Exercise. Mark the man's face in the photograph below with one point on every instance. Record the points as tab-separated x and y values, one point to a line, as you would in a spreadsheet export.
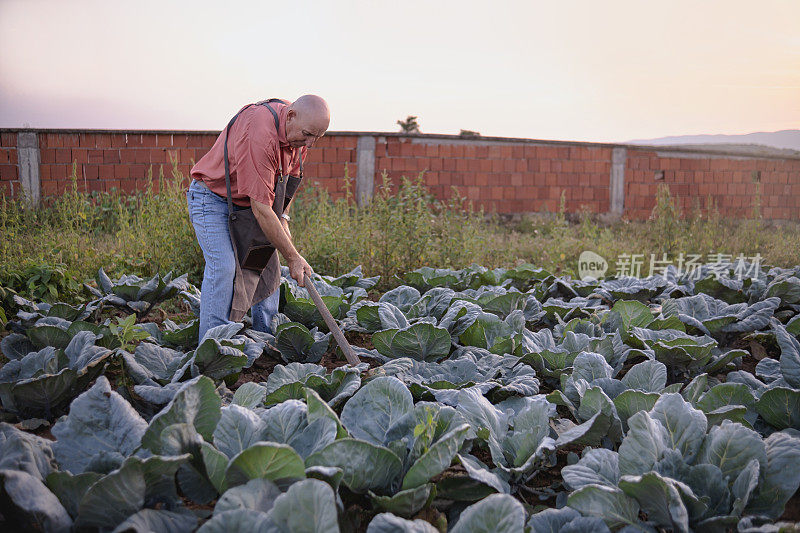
300	131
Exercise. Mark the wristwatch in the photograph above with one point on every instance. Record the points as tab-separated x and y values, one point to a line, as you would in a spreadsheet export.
287	217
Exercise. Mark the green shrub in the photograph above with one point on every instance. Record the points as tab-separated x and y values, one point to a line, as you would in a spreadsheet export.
403	228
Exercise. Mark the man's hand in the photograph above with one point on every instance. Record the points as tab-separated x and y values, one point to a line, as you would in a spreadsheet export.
298	267
279	236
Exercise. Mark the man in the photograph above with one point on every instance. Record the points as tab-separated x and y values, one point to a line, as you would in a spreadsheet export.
257	150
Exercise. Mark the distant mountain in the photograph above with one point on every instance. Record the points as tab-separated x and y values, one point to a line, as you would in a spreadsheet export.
784	140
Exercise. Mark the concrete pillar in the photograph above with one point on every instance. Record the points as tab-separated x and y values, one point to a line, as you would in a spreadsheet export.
617	181
365	177
28	163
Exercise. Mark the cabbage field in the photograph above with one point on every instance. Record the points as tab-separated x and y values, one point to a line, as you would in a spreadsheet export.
503	401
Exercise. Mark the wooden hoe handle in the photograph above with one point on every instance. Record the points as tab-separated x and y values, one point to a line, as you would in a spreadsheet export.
351	357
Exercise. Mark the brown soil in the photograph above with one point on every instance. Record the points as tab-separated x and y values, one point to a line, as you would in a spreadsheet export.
749	364
792	511
331	359
261	369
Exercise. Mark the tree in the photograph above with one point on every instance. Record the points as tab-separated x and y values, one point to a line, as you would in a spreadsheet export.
409	125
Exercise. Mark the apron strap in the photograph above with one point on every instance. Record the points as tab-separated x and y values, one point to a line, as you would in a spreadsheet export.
225	149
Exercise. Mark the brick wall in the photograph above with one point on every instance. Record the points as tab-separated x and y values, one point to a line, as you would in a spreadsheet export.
106	161
502	175
731	182
9	171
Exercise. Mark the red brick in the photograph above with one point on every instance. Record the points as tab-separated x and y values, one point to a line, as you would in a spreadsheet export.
103	140
158	155
324	170
47	155
95	156
87	140
163	140
8	139
137	171
343	155
127	156
49	188
63	155
185	155
80	155
9	172
58	172
122	171
54	140
148	140
119	140
209	140
91	172
194	141
105	171
329	155
111	156
180	140
337	170
70	139
128	185
171	155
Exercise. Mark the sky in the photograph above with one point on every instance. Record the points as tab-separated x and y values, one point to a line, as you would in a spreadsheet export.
602	71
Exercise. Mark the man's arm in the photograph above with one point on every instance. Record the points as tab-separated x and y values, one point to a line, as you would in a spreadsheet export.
274	231
284	222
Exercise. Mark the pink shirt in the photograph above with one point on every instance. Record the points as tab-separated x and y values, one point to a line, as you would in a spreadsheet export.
254	147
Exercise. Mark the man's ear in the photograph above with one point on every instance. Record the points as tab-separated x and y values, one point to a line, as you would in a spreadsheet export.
291	114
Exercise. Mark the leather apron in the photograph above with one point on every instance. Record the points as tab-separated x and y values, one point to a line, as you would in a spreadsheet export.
258	272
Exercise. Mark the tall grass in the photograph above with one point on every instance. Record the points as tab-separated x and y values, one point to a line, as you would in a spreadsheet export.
401	229
78	232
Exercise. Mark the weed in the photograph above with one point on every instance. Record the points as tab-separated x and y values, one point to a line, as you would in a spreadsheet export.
402	228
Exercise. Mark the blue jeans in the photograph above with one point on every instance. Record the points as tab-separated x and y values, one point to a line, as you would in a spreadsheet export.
209	215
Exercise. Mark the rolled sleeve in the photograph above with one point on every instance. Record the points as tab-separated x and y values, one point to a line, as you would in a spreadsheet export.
256	161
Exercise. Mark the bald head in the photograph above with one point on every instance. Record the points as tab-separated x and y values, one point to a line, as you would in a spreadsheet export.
307	120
